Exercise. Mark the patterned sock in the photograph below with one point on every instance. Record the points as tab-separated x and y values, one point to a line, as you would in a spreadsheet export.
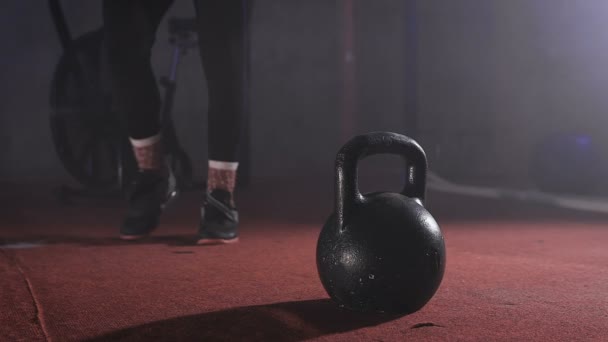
222	175
149	153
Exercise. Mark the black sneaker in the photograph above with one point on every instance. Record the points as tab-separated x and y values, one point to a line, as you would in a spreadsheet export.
219	219
148	195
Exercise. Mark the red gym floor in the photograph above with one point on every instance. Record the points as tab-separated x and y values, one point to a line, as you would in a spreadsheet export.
515	272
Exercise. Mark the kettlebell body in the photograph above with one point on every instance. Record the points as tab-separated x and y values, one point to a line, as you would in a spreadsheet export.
381	252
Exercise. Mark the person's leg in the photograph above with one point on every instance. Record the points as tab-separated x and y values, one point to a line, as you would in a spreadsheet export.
223	35
222	39
130	28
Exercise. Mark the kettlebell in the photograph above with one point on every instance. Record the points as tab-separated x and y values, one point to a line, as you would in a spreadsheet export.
382	251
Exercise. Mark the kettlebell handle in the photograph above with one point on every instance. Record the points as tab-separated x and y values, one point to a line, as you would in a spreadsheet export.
348	195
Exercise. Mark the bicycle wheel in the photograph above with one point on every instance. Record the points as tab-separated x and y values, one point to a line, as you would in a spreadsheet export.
86	133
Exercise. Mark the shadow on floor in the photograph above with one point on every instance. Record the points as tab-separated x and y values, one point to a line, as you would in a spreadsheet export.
280	322
40	241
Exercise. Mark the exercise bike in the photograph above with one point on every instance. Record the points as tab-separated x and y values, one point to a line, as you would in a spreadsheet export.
89	137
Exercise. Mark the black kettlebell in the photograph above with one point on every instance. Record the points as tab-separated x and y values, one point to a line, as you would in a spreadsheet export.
381	252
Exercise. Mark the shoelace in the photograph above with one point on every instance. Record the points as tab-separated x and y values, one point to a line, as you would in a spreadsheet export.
227	212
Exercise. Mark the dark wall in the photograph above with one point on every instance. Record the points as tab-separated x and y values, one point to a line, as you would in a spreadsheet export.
491	77
496	76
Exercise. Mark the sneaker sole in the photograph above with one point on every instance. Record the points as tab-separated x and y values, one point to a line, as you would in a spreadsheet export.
217	241
133	237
